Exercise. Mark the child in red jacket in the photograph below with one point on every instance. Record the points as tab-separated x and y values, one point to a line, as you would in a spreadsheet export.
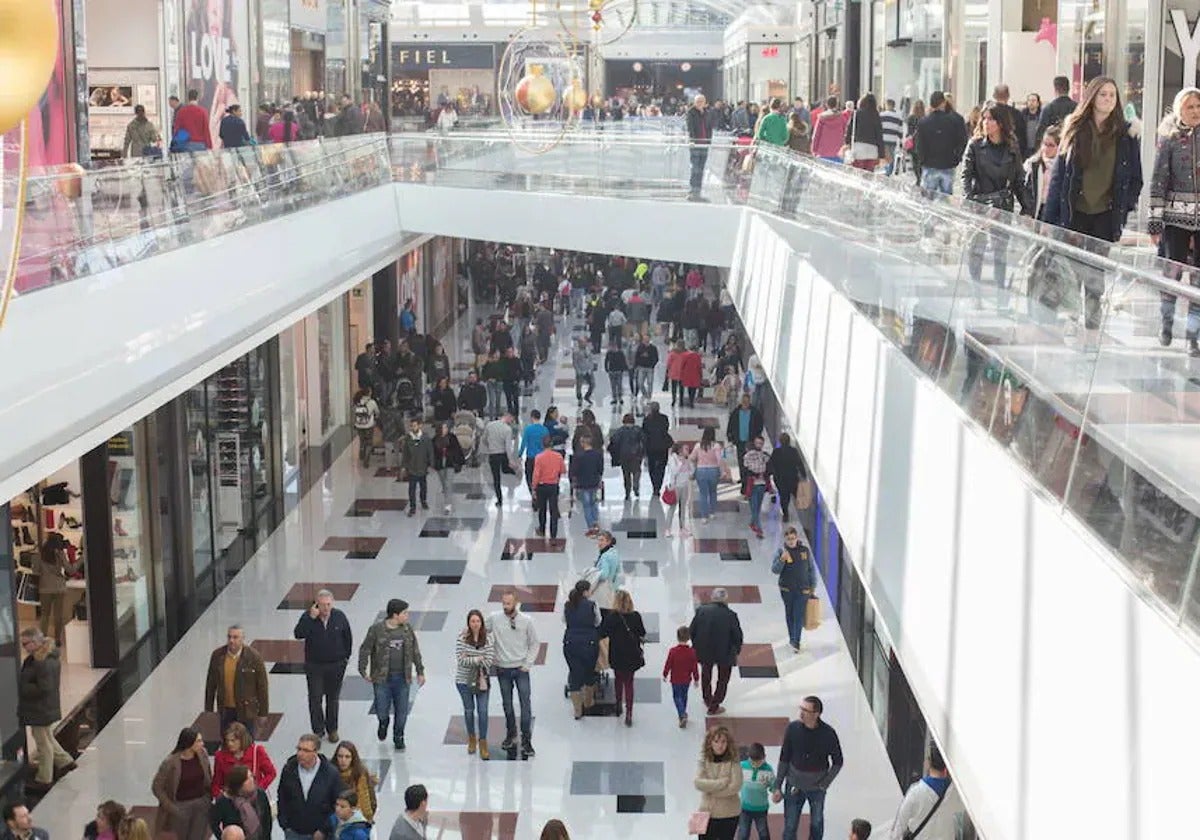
680	669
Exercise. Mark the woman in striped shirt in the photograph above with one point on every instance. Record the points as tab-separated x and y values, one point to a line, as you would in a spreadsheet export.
474	655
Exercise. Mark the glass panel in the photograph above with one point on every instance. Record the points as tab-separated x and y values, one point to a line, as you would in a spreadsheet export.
331	340
132	557
9	660
259	433
202	480
230	406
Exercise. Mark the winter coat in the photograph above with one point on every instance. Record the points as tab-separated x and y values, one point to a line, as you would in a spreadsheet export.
1066	183
251	690
166	784
786	466
865	127
720	786
614	361
992	174
374	656
645	356
625	633
732	427
716	634
472	396
794	575
582	361
447	453
675	365
444	404
592	431
416	454
306	815
627	446
656	431
691	370
940	139
355	828
828	134
225	812
255	759
1037	171
1174	186
38	703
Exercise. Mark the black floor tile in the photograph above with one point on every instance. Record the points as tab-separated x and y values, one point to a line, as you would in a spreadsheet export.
449	579
629	804
433	532
361	555
735	557
758	671
643	535
287	668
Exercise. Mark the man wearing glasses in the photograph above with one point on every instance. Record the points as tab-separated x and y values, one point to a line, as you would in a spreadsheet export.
809	761
516	649
308	789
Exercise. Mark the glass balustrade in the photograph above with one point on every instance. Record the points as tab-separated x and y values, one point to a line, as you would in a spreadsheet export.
1046	339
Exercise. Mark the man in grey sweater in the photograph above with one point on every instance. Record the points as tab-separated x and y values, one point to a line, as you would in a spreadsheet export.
516	644
497	441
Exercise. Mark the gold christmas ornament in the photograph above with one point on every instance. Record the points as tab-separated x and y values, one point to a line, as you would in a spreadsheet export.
576	97
28	49
535	93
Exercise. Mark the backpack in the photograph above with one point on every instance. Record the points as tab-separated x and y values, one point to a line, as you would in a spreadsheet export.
362	416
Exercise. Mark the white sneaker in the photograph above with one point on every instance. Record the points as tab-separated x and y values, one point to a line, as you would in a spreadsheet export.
667	533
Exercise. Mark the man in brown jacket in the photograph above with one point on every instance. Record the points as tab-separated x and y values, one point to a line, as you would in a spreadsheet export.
237	682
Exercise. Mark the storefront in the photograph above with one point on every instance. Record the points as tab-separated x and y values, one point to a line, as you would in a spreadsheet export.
426	77
759	72
308	25
374	59
670	81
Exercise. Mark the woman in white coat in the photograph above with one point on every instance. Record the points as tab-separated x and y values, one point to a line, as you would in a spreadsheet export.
678	479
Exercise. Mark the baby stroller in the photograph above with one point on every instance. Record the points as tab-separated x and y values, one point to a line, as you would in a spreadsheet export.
467	427
407	397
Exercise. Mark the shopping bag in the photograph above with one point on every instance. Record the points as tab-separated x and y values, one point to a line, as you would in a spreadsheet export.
698	822
602	655
804	495
812	614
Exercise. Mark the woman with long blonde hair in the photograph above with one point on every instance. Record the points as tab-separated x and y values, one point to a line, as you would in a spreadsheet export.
719	780
1097	177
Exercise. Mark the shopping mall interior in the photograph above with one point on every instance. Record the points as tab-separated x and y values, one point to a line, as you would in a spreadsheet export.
222	220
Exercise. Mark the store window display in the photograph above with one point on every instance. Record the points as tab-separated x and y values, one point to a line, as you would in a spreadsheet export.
132	554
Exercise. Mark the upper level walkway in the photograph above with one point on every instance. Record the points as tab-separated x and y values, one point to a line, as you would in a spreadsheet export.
959	380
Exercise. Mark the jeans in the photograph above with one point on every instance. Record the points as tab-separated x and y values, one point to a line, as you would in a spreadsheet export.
582	379
793	804
714	695
616	383
547	502
417	485
366	439
475	704
495	394
757	819
979	243
699	156
632	473
529	463
512	395
756	501
706	482
508	677
645	382
679	693
391	699
794	606
591	508
324	691
938	180
496	464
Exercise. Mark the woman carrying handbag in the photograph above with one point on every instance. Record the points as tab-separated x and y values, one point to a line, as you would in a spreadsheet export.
719	780
474	655
864	146
625	631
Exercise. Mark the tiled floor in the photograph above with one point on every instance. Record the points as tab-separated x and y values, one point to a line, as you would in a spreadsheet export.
603	779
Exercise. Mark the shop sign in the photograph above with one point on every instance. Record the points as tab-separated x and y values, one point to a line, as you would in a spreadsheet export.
443	56
309	15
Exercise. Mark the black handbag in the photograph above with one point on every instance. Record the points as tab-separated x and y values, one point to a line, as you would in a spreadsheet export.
1000	199
640	643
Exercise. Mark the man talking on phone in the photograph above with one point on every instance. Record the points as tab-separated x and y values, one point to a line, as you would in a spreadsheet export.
327	647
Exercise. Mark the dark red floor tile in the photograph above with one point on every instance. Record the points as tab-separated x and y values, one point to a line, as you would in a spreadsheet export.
737	594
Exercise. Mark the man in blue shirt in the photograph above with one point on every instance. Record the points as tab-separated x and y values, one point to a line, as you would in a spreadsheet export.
531	444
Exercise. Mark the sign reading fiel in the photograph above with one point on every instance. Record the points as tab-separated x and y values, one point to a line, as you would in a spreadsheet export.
443	56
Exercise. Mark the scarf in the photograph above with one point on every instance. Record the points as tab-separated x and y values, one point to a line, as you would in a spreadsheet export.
246	806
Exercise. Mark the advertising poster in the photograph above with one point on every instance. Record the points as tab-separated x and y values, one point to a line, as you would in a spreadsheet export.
212	64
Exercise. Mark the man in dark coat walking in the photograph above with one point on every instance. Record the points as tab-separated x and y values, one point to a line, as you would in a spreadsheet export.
39	708
717	640
328	645
745	424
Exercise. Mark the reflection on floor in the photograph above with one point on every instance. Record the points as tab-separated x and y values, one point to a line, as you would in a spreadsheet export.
350	534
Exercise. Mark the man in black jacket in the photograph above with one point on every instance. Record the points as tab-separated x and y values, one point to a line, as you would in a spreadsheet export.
809	760
656	430
472	396
745	424
700	131
1058	110
786	468
939	143
645	360
717	639
510	378
328	643
39	708
306	816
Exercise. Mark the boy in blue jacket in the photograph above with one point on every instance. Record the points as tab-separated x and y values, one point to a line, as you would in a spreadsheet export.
347	821
757	778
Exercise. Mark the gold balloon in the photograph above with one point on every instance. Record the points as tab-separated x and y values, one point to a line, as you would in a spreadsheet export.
28	49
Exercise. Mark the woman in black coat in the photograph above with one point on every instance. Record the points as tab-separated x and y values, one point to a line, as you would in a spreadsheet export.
786	468
993	174
447	458
864	135
443	401
625	631
243	804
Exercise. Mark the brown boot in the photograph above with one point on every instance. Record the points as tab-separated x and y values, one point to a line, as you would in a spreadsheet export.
471	742
483	750
577	703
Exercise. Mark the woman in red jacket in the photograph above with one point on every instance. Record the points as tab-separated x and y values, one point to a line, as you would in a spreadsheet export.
239	748
691	373
675	371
